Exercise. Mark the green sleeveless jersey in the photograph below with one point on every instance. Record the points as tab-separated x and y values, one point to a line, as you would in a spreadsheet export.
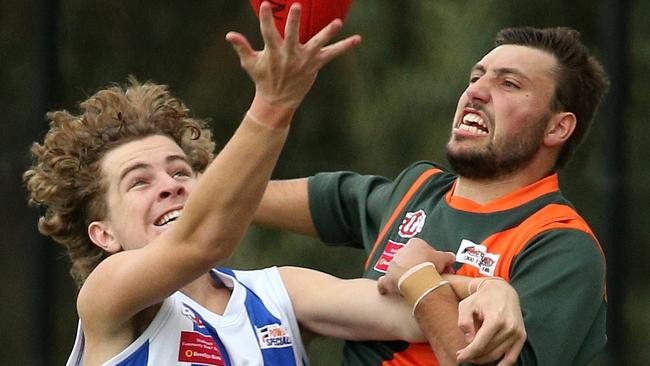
533	238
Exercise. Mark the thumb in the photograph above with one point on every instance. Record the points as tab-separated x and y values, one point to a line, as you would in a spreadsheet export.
451	256
241	45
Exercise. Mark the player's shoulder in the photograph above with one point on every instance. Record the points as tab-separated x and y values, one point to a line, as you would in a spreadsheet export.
423	171
256	278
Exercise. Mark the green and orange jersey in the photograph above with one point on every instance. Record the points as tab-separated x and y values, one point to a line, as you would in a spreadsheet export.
533	238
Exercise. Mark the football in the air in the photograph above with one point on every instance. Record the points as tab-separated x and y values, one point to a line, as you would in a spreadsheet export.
315	14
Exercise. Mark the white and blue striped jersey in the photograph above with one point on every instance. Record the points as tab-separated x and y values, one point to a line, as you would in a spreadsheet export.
258	327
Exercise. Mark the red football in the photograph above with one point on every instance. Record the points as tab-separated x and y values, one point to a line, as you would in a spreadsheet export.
315	14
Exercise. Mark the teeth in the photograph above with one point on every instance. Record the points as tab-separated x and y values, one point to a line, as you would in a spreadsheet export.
472	129
166	218
473	123
474	118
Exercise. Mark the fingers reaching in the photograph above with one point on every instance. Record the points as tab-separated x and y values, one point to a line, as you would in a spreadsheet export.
335	49
269	33
292	27
325	35
284	70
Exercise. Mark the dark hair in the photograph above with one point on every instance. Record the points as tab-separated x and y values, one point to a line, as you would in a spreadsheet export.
66	179
581	80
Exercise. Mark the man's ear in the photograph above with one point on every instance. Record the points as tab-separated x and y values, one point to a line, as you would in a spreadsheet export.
100	234
559	128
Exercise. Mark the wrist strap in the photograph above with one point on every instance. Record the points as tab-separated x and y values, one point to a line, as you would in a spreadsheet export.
419	281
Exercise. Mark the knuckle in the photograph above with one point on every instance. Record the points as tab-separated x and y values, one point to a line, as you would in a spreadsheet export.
464	305
464	324
522	334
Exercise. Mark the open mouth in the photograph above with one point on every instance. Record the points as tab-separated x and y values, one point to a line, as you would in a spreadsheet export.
167	218
473	123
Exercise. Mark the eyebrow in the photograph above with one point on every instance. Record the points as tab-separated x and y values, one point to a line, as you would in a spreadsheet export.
502	71
169	159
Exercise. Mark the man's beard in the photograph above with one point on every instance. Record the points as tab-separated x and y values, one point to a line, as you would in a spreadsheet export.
499	159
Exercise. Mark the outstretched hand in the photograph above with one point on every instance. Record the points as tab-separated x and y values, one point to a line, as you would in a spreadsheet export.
285	69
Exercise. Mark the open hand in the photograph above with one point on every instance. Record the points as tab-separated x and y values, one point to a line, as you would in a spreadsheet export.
285	69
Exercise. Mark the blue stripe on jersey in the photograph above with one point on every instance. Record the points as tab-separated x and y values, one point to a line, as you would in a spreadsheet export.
208	330
279	349
138	358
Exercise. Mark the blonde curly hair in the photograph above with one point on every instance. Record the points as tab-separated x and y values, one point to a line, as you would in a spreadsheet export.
65	178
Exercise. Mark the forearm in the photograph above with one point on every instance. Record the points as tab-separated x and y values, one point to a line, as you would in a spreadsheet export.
232	186
285	206
437	316
348	309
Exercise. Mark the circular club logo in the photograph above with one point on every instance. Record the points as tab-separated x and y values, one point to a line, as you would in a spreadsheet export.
412	224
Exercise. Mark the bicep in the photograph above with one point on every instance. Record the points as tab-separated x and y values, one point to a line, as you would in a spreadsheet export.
347	309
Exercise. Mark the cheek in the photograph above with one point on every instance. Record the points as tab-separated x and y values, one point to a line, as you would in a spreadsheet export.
463	100
189	186
130	209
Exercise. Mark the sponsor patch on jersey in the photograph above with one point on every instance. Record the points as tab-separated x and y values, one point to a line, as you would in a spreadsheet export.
387	256
273	336
412	224
476	255
198	348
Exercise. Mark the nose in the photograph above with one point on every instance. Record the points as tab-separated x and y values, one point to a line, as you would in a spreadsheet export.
170	187
479	90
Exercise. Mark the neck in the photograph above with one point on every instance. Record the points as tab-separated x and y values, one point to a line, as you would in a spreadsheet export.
488	190
206	292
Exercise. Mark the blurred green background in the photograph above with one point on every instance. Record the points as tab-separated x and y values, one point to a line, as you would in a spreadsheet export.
388	103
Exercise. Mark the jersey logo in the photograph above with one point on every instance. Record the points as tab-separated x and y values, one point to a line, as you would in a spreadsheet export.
190	314
476	255
412	224
199	349
387	256
273	336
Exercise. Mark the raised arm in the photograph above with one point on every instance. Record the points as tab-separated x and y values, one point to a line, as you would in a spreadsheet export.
221	206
